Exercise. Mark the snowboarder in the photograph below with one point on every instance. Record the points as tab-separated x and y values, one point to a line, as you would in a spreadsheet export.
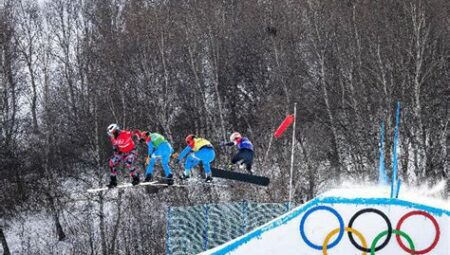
199	150
158	148
244	156
124	151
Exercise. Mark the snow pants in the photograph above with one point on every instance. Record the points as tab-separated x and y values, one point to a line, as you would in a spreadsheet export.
205	155
244	156
163	153
127	158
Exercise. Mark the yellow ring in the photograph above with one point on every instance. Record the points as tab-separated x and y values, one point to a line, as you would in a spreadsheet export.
335	231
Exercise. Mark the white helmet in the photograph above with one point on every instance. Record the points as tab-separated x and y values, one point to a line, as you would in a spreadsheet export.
111	128
235	136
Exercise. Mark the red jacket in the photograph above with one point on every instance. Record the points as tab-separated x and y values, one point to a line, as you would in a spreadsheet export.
124	141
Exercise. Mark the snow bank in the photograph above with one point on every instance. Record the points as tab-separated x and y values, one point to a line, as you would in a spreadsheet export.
424	194
417	219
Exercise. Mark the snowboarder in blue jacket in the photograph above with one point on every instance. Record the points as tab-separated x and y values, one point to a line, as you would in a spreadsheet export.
158	149
245	153
199	150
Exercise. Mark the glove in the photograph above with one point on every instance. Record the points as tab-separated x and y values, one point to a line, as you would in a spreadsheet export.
226	144
147	160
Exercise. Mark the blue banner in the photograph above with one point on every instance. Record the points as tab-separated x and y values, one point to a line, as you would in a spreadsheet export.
394	181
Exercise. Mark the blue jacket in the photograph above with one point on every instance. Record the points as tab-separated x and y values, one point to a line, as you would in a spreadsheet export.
245	143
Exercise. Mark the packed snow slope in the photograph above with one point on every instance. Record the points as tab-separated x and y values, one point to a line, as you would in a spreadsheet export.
353	221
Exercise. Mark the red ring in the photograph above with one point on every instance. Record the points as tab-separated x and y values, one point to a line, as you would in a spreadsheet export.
436	226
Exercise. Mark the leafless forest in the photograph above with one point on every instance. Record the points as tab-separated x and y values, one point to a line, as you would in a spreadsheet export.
69	68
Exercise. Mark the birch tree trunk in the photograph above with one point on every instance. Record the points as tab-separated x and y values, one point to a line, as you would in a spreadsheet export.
102	224
28	38
194	54
278	74
115	231
335	159
216	87
320	45
420	36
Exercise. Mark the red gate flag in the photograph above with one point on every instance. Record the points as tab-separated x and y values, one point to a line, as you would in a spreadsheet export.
284	125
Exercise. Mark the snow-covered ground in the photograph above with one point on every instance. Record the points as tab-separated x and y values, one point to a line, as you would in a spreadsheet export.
319	226
424	194
34	233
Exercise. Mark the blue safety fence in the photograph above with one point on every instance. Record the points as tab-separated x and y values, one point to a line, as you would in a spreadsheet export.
194	229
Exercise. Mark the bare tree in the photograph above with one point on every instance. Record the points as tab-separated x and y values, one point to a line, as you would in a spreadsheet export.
29	39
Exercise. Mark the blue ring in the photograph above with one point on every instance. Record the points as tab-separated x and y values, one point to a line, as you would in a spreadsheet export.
341	227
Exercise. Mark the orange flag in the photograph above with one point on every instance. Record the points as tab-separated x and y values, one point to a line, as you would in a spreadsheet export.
284	125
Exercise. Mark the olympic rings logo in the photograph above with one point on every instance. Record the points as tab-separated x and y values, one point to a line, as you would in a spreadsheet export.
373	245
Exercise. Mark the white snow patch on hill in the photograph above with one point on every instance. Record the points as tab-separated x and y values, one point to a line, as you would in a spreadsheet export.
312	226
424	194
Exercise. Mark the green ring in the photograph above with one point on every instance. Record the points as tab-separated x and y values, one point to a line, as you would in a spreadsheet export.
395	231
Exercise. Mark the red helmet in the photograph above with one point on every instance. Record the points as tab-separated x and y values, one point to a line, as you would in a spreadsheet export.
189	138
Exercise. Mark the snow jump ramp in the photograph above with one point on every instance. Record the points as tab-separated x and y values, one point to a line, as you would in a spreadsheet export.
345	226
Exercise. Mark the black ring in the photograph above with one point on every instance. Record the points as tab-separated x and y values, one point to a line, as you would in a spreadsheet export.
373	210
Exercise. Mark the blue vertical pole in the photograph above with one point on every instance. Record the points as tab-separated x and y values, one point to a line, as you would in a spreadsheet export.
244	216
398	188
382	177
394	180
169	218
205	234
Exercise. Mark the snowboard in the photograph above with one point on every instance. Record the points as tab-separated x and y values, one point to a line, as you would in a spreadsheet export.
129	185
249	178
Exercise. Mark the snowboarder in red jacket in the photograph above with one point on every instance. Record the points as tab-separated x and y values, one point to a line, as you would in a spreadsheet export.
124	151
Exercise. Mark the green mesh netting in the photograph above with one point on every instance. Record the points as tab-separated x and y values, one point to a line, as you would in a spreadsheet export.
193	229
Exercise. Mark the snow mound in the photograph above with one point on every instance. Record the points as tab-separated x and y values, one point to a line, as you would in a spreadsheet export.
355	220
424	194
